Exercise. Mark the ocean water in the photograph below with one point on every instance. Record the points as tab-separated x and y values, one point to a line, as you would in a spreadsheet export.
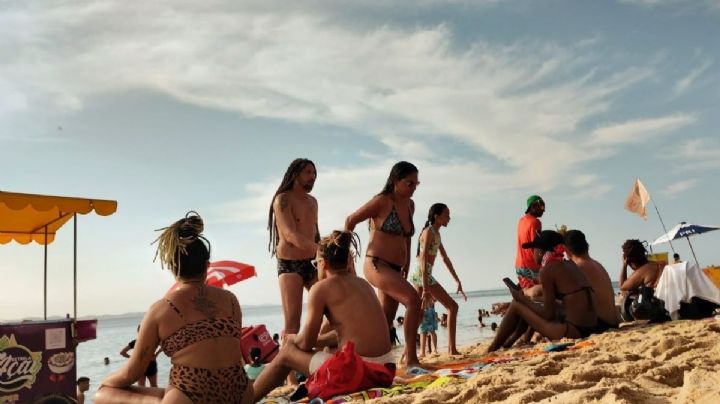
115	332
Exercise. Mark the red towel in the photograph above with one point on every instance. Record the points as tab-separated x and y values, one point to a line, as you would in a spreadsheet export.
345	372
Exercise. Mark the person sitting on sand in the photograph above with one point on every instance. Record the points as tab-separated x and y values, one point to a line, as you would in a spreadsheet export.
577	250
645	273
198	327
561	280
429	246
350	304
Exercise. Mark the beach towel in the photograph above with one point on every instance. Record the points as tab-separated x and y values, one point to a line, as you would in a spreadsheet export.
682	281
346	372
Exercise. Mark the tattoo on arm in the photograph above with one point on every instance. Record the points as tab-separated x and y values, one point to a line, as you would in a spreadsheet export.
283	202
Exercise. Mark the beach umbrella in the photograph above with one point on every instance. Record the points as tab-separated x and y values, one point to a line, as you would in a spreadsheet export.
226	273
685	230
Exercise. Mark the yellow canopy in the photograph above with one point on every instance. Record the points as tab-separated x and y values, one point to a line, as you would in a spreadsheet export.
23	217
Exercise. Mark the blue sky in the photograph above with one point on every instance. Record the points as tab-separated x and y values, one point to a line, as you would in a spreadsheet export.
167	107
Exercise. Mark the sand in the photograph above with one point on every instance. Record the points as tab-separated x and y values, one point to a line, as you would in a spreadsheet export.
675	362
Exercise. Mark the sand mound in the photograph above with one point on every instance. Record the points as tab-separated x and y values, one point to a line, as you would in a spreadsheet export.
667	363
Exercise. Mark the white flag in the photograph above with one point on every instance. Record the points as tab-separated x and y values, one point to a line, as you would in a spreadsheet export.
638	199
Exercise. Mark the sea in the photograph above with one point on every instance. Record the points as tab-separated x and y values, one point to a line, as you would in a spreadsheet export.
115	332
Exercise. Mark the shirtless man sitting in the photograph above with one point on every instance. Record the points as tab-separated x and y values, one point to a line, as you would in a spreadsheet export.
292	223
350	304
576	248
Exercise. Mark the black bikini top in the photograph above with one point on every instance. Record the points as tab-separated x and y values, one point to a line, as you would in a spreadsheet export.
393	225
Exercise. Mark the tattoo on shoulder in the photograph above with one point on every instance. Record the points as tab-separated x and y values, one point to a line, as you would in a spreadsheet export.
203	304
283	201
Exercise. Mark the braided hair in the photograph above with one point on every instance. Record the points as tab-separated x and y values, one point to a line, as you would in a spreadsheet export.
292	172
182	248
634	251
338	247
436	209
399	171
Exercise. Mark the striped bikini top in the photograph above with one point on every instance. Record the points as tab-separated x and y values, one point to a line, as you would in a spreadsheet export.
191	333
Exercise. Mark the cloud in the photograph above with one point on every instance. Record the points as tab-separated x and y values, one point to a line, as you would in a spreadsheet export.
700	154
410	88
679	187
639	130
683	84
709	4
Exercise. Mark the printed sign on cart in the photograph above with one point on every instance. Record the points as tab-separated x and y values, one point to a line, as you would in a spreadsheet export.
19	366
36	361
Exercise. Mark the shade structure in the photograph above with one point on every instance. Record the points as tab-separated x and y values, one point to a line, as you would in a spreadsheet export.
23	217
685	230
30	217
228	273
225	273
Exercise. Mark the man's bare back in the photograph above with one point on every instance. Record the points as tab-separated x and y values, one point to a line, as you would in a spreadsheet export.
354	312
604	295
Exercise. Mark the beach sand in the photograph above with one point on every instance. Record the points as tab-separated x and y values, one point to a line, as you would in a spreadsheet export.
675	362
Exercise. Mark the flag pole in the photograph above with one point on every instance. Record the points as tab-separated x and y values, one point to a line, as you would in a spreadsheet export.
663	225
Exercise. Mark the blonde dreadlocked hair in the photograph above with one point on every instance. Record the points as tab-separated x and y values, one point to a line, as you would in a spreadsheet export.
182	248
338	247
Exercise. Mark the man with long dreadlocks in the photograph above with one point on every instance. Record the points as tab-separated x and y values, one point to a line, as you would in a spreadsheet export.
292	223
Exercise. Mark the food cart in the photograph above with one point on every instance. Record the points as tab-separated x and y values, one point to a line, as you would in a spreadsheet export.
37	358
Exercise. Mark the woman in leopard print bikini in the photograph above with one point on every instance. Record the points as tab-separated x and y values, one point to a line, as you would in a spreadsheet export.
196	325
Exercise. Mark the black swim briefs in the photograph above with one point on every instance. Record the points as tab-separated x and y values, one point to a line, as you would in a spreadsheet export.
303	268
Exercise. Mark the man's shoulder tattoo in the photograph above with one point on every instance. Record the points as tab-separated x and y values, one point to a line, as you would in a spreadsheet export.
283	201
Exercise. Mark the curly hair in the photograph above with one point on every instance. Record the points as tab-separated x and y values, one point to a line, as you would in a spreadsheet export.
182	248
634	252
337	248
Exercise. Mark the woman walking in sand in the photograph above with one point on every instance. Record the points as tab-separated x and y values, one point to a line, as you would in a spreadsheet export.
388	254
428	247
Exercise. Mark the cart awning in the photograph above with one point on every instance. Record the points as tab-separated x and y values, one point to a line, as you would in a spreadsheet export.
23	217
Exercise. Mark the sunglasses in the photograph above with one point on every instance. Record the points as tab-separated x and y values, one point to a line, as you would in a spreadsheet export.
411	184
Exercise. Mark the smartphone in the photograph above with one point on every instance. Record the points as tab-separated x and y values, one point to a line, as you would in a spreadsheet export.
511	284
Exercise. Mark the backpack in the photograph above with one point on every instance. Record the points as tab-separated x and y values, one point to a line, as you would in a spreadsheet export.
346	372
648	307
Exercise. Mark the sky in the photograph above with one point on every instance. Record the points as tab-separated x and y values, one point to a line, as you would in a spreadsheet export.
174	106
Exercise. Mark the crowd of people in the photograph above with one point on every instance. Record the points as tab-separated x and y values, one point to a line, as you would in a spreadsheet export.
562	292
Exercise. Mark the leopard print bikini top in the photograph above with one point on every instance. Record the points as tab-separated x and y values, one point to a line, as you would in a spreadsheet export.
191	333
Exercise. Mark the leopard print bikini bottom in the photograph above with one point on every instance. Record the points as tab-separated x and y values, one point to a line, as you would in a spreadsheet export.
222	385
